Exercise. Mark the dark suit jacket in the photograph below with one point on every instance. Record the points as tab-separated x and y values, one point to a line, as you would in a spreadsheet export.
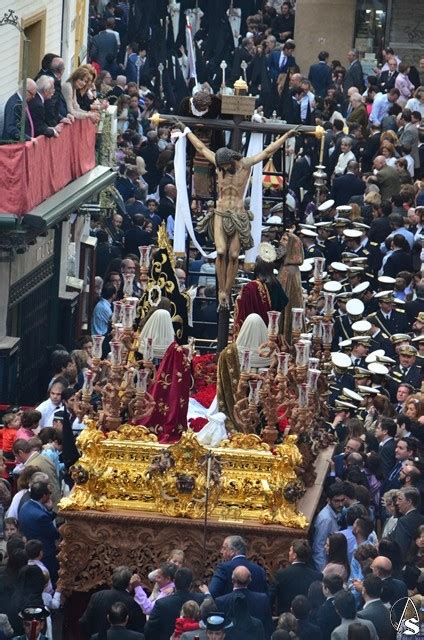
379	615
102	44
398	261
386	453
161	623
380	229
320	77
119	633
387	83
369	152
12	119
393	590
308	631
354	78
405	530
413	308
167	179
328	618
274	65
166	208
221	582
94	619
344	187
37	111
134	238
258	604
292	581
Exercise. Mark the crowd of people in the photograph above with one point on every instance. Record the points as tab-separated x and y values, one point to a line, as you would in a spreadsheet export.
366	545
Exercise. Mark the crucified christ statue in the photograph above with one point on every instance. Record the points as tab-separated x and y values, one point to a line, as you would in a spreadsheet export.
229	225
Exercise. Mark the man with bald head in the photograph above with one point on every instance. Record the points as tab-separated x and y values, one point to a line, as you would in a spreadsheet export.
258	603
13	114
392	589
387	178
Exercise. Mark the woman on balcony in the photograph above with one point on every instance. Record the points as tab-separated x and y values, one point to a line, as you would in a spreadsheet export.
77	82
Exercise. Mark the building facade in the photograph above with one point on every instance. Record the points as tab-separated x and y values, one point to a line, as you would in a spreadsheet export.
338	25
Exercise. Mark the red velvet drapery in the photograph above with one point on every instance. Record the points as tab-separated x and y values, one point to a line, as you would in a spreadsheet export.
30	172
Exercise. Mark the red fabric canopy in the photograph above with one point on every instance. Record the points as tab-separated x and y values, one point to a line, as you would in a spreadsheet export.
31	172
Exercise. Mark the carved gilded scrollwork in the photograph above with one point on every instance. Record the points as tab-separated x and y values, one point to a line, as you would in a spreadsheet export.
130	470
245	441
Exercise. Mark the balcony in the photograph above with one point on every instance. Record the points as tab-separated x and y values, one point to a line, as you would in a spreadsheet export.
43	181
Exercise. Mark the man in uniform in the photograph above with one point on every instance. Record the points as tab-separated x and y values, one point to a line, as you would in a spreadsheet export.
229	224
389	319
309	239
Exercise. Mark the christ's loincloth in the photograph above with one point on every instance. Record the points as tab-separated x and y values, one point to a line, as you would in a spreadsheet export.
232	223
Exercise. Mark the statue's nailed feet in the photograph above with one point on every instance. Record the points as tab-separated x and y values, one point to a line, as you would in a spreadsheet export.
223	300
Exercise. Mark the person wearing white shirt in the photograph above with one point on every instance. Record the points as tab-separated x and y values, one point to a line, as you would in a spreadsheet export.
49	406
345	157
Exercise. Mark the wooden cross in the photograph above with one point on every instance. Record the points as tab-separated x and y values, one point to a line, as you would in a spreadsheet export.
238	125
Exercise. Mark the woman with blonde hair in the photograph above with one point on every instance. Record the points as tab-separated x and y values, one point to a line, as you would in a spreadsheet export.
390	136
414	408
388	150
78	81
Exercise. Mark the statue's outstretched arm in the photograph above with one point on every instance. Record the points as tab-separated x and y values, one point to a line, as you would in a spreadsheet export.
197	144
269	151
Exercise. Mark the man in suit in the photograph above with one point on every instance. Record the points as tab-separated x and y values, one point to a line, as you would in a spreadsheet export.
371	147
296	578
358	114
409	136
354	75
13	114
385	433
327	617
258	603
300	608
161	623
414	307
374	609
137	236
95	618
408	503
37	108
281	61
392	589
28	453
36	522
345	605
388	77
399	258
233	552
168	178
348	185
320	75
118	619
105	42
167	203
386	178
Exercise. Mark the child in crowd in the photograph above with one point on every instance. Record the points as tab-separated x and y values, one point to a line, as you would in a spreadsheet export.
34	551
11	424
52	447
188	620
10	528
175	557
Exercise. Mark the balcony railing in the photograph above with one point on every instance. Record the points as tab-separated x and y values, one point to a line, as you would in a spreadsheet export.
31	172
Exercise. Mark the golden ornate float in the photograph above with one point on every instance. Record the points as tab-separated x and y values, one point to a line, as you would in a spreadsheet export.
129	469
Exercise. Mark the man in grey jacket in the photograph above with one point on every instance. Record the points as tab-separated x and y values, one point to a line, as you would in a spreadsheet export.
105	42
344	603
374	609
